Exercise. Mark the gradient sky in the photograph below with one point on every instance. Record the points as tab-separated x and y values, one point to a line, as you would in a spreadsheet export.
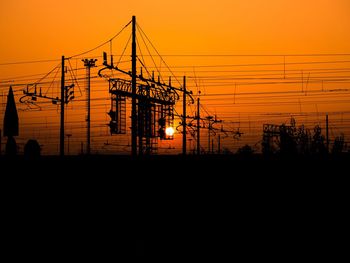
48	29
43	29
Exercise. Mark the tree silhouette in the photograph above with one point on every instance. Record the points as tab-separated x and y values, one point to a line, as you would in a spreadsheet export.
288	145
338	145
245	151
318	146
32	149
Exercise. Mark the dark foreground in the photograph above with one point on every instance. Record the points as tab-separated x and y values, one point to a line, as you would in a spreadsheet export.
170	206
119	165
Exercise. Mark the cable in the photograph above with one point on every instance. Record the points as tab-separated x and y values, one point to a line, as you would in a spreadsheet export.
39	81
228	84
143	62
264	64
158	54
74	76
104	43
255	55
155	66
127	43
28	62
51	84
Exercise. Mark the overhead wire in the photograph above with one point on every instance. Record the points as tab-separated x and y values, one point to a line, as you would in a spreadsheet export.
143	33
51	84
257	55
28	62
264	64
332	94
154	63
102	44
127	43
142	61
73	76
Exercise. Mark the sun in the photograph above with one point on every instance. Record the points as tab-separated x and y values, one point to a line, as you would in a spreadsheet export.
169	131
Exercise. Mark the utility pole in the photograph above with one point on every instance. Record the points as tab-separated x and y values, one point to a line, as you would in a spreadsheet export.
62	110
327	134
133	91
184	118
68	136
198	127
209	130
88	63
209	136
219	146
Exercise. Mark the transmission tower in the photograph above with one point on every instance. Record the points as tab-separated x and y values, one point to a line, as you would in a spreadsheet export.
88	63
152	104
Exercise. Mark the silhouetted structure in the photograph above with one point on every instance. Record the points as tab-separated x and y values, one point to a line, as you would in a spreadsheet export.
67	95
11	116
288	145
289	140
88	63
152	102
11	124
11	146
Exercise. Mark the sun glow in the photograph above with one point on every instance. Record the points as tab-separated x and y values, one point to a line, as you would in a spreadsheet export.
169	131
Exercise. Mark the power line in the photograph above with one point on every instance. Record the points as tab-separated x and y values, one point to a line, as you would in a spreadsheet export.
104	43
143	33
256	70
229	84
29	62
264	64
254	55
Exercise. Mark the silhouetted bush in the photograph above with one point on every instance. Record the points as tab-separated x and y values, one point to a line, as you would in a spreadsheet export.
338	145
245	151
32	149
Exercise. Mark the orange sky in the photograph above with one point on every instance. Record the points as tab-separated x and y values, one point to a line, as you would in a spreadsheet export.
47	29
41	29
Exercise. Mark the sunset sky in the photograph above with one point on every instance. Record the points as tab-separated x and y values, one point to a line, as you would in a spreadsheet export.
35	30
42	29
